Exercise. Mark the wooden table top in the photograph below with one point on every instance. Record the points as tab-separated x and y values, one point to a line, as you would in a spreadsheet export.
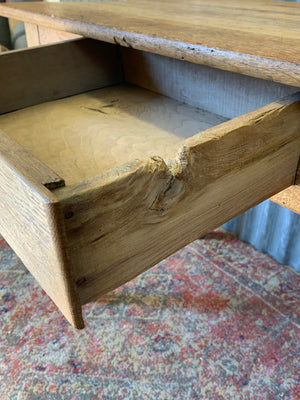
259	38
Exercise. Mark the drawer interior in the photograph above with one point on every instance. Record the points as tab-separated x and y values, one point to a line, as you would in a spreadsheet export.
87	134
88	107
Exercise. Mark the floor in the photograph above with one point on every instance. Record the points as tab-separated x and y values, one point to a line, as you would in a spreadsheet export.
217	320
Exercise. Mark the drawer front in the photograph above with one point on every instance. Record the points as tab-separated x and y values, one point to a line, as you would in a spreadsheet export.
130	218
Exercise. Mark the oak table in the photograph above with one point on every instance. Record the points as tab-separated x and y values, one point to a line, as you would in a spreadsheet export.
129	128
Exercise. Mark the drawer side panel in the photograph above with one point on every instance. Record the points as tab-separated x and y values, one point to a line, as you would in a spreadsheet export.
31	222
39	74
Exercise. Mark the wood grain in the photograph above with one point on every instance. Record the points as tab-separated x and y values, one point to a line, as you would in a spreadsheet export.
36	75
127	220
85	135
17	157
32	223
257	38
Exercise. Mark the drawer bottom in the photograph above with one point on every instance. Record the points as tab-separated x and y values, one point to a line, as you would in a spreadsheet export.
85	135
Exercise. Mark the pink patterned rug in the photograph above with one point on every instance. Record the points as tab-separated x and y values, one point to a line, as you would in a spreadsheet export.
217	320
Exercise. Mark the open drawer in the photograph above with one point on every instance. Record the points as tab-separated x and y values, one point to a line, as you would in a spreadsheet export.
109	163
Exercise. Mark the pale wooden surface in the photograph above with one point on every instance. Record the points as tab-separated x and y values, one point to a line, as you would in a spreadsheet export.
32	35
48	35
124	222
17	157
289	198
35	75
32	223
85	135
39	35
254	37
